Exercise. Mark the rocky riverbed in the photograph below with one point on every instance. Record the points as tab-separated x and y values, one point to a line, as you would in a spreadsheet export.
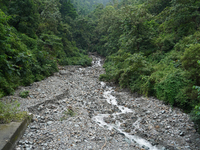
73	110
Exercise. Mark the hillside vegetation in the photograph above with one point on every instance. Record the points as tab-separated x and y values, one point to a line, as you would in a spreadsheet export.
151	46
36	36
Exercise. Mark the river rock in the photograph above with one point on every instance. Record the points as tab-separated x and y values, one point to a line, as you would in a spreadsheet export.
74	113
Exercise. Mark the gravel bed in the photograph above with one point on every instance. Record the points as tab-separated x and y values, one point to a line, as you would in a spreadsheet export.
64	107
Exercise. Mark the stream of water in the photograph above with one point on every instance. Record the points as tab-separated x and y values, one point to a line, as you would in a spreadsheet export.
112	100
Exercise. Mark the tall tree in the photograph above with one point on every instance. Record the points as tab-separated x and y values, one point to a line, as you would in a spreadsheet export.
25	17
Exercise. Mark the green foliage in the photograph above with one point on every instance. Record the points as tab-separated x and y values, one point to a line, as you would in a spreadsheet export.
165	42
170	87
196	111
69	113
24	16
81	60
33	39
126	68
195	114
84	7
24	94
67	9
10	112
189	61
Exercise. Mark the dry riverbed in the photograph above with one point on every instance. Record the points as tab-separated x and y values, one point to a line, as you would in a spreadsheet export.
73	110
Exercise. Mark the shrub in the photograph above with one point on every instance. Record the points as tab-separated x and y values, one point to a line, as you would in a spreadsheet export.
189	61
196	111
171	85
24	94
170	82
129	70
195	115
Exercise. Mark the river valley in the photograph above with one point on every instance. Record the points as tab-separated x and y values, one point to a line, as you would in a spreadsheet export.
73	110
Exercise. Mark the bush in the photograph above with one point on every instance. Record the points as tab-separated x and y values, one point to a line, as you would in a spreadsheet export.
82	60
169	82
196	111
24	94
126	69
189	61
171	86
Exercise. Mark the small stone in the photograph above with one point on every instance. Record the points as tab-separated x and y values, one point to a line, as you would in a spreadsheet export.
163	111
112	134
188	140
148	112
21	142
31	143
89	147
182	133
64	72
31	96
163	148
27	146
128	141
33	127
145	147
77	141
121	133
49	122
187	147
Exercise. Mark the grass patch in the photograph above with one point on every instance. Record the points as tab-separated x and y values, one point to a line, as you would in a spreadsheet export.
24	94
69	113
10	112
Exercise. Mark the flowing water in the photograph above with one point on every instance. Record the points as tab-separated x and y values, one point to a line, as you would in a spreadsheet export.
112	100
104	117
100	119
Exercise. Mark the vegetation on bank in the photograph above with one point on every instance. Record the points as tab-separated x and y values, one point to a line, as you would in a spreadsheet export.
36	36
9	111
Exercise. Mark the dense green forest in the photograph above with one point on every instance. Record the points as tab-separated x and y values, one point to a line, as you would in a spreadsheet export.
151	47
36	36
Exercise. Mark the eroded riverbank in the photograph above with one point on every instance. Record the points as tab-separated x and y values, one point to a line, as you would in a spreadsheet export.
102	117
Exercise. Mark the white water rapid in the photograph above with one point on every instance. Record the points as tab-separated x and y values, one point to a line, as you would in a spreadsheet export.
100	119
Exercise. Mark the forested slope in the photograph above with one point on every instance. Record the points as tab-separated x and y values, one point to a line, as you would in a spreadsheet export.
152	48
35	36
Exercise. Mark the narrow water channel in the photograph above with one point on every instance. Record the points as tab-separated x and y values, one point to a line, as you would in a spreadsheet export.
100	119
112	100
